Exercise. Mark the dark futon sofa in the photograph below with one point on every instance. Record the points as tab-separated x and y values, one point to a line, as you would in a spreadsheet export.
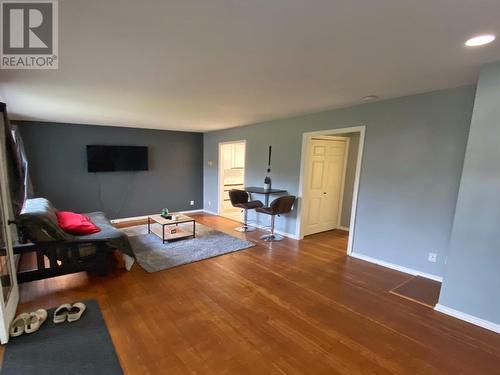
66	253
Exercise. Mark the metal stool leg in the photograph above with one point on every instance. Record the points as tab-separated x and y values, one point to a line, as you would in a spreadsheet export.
272	236
245	227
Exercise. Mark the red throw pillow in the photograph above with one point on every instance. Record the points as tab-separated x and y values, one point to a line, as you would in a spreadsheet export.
74	223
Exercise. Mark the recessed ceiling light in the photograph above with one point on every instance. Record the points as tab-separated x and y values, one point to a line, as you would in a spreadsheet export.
480	40
369	97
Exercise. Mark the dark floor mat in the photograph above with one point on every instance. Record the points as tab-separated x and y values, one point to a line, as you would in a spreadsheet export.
81	347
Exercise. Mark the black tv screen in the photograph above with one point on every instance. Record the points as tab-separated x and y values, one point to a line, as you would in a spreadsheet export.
117	158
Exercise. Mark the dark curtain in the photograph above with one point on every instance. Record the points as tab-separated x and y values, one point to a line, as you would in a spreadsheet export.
15	167
21	155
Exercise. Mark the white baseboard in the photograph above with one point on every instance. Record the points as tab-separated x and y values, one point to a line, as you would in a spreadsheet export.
197	211
396	267
210	212
468	318
125	219
259	226
343	228
285	234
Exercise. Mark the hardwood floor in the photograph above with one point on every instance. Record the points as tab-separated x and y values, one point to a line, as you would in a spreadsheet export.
290	307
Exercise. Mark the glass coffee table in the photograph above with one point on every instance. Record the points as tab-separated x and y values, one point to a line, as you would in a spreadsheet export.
170	229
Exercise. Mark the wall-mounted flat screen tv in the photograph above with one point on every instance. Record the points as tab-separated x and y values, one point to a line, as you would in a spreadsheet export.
117	158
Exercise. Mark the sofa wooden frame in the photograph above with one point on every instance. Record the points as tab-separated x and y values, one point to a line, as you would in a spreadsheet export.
64	258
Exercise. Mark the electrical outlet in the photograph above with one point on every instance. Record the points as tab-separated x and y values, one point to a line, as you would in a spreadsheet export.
191	203
209	203
432	257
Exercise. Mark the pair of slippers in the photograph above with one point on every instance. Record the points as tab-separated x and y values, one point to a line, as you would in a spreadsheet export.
28	322
31	322
68	312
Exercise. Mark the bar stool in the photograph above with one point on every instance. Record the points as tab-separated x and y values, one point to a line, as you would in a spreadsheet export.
240	199
279	206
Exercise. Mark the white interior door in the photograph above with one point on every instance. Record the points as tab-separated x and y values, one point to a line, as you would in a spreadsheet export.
9	297
324	184
231	176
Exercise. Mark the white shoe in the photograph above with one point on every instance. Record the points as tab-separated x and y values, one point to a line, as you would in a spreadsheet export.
129	261
76	311
61	313
35	320
18	325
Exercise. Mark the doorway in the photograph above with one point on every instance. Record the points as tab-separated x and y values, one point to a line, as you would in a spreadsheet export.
329	181
231	176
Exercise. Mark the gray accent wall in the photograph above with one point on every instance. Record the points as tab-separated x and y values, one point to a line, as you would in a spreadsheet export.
412	162
57	156
472	275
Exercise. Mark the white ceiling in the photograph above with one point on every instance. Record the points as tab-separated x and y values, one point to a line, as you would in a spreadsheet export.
211	64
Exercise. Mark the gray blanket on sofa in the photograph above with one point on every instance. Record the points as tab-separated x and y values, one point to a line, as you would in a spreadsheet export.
114	238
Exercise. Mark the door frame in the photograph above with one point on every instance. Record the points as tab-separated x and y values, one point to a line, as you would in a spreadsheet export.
306	137
7	310
219	172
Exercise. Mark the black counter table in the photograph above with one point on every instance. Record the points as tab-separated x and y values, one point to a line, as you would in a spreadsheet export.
265	192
